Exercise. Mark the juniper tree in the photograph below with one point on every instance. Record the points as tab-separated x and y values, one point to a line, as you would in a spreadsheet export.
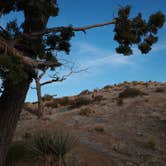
28	48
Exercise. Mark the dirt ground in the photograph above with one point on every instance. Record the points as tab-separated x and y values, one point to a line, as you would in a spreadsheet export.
129	133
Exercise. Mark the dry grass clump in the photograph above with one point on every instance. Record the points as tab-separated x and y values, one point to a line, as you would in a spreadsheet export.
86	111
131	92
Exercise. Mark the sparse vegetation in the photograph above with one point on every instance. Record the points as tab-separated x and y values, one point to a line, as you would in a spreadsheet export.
98	98
151	143
85	92
99	129
131	92
80	101
47	97
17	151
119	101
86	111
107	87
48	147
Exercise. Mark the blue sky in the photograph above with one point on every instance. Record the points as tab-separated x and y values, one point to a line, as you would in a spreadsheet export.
95	50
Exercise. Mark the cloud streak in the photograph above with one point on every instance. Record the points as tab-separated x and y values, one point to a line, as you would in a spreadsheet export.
99	56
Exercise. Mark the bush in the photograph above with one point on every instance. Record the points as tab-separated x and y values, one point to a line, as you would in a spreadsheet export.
64	101
86	111
85	92
160	89
44	146
80	101
98	98
51	104
47	97
151	143
99	129
53	146
131	92
17	151
119	102
107	87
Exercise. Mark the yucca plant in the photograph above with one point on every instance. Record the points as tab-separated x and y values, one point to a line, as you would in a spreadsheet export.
51	147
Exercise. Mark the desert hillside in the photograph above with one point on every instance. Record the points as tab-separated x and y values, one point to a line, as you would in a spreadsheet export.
120	125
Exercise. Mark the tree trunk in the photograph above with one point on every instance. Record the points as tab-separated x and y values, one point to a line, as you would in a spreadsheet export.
11	103
39	96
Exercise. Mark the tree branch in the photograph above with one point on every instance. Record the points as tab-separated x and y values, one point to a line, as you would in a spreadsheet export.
58	29
33	64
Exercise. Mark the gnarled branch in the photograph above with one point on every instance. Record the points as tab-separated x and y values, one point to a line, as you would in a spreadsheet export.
32	63
83	28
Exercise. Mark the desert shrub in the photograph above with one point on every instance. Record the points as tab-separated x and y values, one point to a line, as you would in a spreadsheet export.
98	98
160	89
17	151
64	101
80	101
47	97
51	104
131	92
151	143
85	92
53	146
86	111
99	129
119	101
48	147
107	87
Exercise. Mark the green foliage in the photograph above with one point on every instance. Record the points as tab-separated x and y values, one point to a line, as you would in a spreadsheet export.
61	40
136	31
13	29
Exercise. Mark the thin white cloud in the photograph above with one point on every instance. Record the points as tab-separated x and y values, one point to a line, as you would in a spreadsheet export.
99	56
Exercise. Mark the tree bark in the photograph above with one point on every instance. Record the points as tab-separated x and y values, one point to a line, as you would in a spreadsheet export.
11	103
39	96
